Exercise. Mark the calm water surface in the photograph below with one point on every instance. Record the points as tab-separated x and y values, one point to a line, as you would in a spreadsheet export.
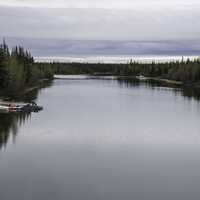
103	140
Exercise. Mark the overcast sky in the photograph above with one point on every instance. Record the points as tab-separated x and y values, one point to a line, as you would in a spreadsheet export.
110	4
116	20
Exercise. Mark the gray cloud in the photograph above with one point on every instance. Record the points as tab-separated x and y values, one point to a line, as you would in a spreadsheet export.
110	4
61	47
100	23
124	27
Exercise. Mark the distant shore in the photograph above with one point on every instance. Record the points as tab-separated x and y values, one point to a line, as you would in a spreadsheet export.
114	77
115	59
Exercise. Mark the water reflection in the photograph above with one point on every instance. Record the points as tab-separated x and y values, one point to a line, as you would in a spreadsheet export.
10	122
103	139
188	92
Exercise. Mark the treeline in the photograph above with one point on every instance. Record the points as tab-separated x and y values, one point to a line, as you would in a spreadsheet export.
187	71
87	68
19	71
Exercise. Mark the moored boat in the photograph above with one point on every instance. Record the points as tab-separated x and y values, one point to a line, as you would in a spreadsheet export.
20	107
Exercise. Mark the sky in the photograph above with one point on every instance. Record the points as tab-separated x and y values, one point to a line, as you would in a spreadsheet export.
128	26
107	4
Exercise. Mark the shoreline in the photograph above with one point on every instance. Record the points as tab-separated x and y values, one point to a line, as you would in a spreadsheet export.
30	89
24	91
114	76
180	83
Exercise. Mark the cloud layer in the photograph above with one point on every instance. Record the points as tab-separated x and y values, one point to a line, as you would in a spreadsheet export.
108	4
62	48
168	25
100	24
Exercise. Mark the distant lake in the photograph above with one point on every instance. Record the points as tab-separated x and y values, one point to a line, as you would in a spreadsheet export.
103	139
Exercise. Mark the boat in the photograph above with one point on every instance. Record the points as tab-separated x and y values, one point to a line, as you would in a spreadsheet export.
31	107
20	107
4	108
141	77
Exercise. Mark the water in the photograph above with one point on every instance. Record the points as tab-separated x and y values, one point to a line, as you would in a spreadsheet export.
103	139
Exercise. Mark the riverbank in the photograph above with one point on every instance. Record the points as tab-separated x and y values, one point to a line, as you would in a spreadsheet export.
140	77
19	71
7	96
30	89
186	72
173	82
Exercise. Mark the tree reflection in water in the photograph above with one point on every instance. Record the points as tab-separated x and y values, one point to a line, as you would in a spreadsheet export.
10	122
187	92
